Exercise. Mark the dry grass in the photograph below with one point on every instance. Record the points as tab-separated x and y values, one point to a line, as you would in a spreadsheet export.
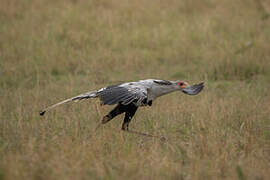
51	50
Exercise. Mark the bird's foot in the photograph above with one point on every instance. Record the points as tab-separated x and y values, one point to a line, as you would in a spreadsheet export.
106	119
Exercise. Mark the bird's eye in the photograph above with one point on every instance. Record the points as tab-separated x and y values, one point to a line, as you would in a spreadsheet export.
180	83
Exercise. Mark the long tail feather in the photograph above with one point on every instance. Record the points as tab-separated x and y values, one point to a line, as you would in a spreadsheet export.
92	94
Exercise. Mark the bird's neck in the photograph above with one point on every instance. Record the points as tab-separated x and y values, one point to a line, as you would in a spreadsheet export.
161	91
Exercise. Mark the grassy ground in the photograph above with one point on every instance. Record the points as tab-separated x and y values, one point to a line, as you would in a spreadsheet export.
54	49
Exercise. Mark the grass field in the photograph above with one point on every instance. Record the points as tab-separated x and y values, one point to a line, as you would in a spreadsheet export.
54	49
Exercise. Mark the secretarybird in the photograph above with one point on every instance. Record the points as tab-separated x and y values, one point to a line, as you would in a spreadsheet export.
131	95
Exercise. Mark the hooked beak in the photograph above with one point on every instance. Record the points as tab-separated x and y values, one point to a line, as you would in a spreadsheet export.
193	90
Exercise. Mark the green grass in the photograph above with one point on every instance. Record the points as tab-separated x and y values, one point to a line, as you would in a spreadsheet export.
52	50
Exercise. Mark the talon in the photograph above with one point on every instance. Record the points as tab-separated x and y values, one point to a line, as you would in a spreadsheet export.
125	127
106	119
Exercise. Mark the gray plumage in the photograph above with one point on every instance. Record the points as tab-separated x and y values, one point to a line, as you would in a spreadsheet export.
115	95
193	90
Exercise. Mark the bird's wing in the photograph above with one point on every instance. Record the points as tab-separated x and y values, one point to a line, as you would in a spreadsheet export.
124	94
87	95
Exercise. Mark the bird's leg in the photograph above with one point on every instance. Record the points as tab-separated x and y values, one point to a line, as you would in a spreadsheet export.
119	109
116	111
130	111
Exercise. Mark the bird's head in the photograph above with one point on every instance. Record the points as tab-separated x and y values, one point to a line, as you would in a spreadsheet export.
182	84
190	90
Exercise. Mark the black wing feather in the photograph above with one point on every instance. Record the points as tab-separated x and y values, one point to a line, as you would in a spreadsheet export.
129	100
162	82
116	94
121	99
